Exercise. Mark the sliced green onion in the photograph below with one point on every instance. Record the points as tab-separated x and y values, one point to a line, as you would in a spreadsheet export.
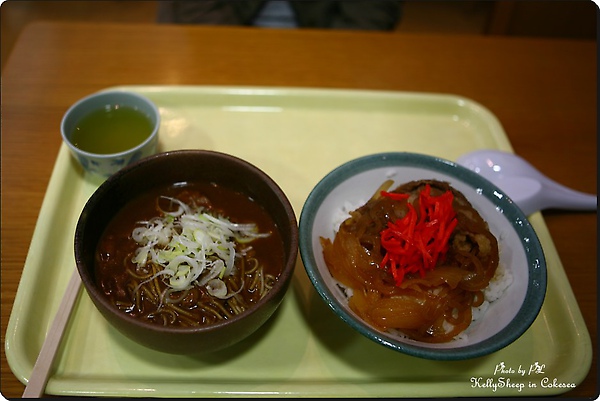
193	246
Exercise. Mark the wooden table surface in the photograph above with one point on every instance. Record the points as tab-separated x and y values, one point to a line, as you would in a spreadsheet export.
543	92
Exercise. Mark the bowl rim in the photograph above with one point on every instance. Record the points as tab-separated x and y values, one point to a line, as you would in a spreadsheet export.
536	287
281	283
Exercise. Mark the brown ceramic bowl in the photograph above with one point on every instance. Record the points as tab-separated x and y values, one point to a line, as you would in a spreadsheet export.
169	168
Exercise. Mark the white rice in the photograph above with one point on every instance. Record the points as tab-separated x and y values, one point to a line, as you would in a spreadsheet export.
344	213
494	291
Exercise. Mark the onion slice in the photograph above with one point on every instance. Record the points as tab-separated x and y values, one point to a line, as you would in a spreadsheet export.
192	246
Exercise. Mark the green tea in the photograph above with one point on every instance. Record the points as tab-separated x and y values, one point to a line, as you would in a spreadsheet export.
112	129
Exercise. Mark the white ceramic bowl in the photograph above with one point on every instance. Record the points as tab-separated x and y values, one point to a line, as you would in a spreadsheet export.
354	182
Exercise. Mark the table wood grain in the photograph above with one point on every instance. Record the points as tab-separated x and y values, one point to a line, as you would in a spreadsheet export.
543	91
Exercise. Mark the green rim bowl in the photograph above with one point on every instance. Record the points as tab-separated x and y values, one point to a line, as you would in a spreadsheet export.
354	182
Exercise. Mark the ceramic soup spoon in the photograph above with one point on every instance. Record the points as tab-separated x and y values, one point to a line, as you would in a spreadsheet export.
524	184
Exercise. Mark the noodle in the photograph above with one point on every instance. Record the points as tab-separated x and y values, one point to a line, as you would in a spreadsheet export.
141	257
152	298
435	306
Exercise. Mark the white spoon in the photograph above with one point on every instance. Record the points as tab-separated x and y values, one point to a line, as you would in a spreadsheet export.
524	184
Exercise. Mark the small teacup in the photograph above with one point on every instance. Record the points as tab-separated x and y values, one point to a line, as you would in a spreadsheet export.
108	130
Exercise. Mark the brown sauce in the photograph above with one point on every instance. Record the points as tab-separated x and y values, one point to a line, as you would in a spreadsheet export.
120	278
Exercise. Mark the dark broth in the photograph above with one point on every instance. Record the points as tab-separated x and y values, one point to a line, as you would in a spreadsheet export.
111	130
115	271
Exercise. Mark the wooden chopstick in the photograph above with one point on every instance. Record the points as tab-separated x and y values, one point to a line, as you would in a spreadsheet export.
41	370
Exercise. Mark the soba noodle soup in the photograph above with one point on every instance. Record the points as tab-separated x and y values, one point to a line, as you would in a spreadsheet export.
189	255
415	260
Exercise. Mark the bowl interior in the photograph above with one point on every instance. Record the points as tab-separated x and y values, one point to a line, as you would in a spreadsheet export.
353	183
100	101
179	167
